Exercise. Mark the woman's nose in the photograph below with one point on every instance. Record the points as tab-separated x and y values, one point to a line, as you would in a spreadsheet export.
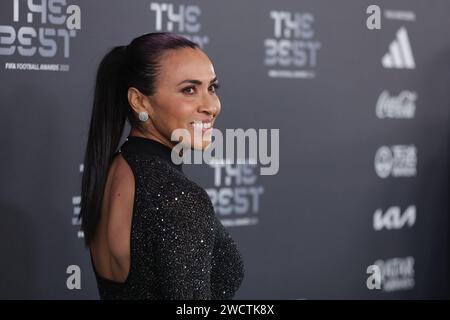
210	104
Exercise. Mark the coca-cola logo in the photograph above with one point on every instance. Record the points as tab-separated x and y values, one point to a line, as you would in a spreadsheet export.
402	106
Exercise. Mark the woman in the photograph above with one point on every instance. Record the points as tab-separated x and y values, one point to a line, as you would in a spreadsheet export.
152	233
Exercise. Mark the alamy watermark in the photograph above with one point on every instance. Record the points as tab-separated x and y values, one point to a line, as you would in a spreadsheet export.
258	151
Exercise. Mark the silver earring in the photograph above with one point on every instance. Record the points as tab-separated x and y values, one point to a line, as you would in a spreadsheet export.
143	116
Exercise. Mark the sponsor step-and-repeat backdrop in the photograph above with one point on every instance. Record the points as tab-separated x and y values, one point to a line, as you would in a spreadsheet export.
354	96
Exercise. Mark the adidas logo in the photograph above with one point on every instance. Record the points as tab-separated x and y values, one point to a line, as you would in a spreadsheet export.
400	54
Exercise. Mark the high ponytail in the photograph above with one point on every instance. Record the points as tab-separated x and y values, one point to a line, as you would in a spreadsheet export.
136	65
107	122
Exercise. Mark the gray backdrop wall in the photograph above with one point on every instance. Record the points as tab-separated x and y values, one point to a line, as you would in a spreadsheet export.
363	117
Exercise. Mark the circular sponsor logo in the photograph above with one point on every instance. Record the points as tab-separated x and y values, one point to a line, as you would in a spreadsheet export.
383	162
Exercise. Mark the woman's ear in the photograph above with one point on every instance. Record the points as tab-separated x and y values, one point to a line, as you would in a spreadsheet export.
138	102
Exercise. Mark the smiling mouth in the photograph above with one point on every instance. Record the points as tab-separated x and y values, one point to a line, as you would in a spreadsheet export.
202	125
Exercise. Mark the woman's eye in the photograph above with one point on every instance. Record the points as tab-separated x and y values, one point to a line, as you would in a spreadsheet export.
187	90
216	86
191	90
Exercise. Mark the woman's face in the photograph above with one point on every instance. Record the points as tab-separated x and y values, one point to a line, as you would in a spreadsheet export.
185	96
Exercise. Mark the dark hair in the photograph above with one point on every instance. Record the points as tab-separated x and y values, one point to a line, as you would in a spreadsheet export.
136	65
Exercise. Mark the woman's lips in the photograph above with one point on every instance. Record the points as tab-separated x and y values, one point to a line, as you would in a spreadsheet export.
207	130
206	126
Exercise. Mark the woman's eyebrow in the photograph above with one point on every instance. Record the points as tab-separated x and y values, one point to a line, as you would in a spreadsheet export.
193	81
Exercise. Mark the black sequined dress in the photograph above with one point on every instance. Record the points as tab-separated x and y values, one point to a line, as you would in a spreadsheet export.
178	247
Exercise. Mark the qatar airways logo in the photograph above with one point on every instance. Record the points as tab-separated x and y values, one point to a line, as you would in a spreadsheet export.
401	106
395	274
42	28
182	19
236	195
292	50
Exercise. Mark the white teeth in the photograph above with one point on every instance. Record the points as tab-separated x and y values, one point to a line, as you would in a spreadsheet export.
201	125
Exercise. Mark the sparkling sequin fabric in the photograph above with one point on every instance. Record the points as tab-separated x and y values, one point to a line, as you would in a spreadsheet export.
179	248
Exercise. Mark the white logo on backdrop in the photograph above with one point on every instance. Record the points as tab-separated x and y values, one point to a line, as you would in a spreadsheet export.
39	30
236	195
76	202
393	218
402	106
400	54
292	52
396	161
396	273
182	19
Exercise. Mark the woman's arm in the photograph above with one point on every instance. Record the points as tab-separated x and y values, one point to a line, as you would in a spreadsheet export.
183	242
